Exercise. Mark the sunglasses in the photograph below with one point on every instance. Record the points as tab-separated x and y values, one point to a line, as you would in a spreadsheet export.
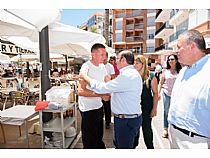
171	59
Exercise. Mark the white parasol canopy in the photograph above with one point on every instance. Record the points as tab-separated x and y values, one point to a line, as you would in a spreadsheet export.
4	58
27	22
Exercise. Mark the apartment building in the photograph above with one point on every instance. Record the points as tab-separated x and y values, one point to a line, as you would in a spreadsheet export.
96	23
84	26
170	23
129	30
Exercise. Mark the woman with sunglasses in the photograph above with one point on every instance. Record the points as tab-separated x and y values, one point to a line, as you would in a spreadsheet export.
166	83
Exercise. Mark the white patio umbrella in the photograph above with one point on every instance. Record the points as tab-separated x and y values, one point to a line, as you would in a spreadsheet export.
61	34
33	57
71	49
4	58
26	22
64	39
24	57
38	19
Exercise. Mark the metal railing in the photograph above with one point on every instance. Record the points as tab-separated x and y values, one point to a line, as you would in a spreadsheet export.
134	26
139	26
134	14
163	46
165	25
134	38
130	27
175	36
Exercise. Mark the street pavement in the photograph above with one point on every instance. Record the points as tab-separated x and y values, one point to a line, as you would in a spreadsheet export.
16	141
157	126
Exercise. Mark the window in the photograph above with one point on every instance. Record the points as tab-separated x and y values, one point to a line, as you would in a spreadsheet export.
151	11
150	34
119	25
118	37
151	21
150	49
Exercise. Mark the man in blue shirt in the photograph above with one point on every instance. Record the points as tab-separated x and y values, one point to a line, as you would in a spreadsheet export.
125	92
189	113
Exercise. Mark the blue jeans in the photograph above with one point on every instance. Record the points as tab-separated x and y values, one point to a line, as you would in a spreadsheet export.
125	131
166	104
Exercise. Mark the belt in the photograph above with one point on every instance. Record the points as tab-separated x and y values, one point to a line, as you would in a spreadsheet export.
191	134
127	115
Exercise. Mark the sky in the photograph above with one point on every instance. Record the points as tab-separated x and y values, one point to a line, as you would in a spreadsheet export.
76	17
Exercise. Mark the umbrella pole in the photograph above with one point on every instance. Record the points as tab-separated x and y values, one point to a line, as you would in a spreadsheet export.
22	69
44	59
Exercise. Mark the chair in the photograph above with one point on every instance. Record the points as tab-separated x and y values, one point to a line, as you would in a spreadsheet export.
17	97
4	98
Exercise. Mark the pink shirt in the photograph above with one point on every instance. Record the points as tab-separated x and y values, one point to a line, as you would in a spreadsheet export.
169	81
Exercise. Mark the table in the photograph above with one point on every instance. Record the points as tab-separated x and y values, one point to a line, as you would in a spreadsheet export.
17	115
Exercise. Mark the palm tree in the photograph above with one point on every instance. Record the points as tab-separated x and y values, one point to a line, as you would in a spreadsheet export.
106	26
93	29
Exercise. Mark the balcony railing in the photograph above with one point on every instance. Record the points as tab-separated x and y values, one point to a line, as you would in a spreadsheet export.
165	25
134	26
130	27
121	15
139	26
134	38
163	46
134	14
175	36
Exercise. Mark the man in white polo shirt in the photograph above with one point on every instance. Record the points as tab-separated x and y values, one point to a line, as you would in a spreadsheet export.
90	103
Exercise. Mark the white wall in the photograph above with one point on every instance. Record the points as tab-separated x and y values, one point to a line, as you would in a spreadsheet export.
197	17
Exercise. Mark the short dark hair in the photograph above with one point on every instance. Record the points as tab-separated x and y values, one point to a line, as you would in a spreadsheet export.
96	46
197	37
128	56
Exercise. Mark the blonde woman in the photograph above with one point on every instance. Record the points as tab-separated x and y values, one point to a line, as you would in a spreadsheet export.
149	100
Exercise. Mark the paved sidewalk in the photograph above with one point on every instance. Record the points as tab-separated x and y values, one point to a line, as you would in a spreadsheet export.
14	141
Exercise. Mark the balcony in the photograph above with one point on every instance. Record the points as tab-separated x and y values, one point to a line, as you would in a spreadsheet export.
163	46
130	27
134	14
179	16
164	31
174	12
175	36
134	38
139	26
121	15
163	15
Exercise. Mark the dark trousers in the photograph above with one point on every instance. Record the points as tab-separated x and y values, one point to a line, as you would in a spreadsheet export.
92	129
107	111
125	131
146	128
147	131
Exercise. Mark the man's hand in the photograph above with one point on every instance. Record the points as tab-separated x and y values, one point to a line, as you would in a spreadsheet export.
83	76
106	97
107	78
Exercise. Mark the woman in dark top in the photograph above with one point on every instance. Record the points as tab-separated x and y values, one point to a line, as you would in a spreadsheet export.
149	100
